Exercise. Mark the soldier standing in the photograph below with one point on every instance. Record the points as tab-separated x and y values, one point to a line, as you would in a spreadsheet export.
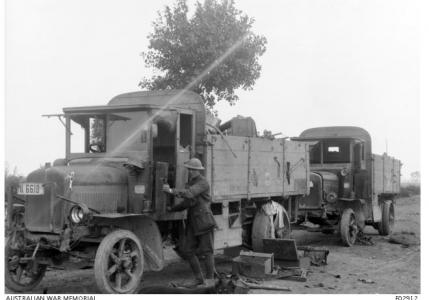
200	222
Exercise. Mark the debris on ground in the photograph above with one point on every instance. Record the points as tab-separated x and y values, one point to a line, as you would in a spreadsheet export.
318	255
405	239
261	265
362	239
364	280
159	289
320	285
261	286
253	264
295	274
283	249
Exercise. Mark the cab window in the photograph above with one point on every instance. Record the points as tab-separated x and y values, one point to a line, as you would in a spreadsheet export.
315	154
97	134
89	133
336	152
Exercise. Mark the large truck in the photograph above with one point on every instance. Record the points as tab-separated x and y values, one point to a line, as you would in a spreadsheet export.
102	205
351	186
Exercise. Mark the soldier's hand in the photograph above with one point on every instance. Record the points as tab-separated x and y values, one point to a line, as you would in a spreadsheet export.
168	209
166	188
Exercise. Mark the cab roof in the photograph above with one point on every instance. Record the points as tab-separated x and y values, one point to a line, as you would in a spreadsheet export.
336	132
169	99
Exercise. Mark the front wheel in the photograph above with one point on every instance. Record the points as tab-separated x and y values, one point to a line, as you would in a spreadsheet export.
119	261
21	275
348	227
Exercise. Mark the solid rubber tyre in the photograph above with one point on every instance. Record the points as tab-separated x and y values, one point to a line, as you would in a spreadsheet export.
348	227
385	227
261	229
119	255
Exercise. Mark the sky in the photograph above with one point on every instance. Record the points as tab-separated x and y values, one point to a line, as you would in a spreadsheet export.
344	62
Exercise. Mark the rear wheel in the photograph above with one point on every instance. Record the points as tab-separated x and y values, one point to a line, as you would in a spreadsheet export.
266	227
348	227
118	265
385	227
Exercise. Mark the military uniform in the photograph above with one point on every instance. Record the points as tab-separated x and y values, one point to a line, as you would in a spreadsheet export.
200	224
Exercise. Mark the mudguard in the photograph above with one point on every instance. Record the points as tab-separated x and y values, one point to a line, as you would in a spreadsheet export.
147	231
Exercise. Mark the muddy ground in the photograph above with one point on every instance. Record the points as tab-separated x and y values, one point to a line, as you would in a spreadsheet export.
382	268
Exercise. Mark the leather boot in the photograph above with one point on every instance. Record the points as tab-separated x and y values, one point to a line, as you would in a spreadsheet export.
209	263
196	269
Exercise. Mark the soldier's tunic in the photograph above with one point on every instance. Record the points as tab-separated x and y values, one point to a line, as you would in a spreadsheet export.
200	222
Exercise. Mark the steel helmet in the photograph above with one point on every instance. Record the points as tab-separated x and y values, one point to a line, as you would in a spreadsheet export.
194	163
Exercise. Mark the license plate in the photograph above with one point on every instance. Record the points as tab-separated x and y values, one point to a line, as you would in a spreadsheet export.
30	189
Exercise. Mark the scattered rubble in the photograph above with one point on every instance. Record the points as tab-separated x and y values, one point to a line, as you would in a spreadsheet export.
363	239
318	255
368	281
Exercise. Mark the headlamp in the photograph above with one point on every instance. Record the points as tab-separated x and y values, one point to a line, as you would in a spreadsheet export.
79	213
344	172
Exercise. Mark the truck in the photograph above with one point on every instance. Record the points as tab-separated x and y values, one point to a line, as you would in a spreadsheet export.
350	186
102	205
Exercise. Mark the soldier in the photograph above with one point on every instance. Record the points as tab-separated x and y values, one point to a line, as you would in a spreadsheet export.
200	222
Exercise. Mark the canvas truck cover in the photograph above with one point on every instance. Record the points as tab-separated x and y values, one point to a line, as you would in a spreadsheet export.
253	167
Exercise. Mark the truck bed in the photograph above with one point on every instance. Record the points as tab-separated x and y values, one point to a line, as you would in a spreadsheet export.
386	174
253	167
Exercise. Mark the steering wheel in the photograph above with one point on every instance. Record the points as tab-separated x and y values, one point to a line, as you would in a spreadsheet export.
99	147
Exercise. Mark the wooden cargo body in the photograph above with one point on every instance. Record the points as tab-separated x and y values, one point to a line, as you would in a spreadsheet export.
256	167
385	174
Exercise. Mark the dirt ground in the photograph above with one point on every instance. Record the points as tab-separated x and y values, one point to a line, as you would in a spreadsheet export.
382	268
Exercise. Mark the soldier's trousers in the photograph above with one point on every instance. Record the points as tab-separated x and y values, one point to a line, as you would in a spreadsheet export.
203	245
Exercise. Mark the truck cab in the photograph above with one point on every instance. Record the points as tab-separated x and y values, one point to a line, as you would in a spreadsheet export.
106	193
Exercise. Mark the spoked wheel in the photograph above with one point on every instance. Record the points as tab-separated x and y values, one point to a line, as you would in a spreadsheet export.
348	227
21	275
119	263
265	228
385	227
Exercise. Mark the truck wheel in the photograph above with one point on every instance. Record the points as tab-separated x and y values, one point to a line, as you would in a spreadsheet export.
119	261
21	277
348	227
385	227
261	229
